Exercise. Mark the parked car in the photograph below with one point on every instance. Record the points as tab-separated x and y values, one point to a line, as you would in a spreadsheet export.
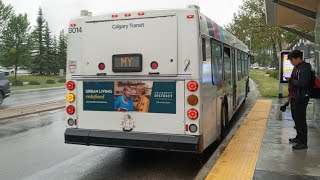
3	70
4	87
11	70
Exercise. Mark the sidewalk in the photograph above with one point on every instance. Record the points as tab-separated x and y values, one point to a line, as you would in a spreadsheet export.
260	148
277	160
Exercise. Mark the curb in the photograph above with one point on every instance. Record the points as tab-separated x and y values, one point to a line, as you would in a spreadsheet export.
31	109
35	112
36	90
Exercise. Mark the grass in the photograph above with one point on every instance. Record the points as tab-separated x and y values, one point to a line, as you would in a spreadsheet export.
268	86
28	78
41	79
25	87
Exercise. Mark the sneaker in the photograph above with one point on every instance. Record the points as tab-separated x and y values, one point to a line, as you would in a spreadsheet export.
293	140
300	146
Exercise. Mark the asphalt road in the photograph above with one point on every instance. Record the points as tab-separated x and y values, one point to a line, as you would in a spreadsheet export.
33	148
32	97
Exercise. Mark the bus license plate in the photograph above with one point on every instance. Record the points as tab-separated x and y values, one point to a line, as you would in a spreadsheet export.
127	124
127	63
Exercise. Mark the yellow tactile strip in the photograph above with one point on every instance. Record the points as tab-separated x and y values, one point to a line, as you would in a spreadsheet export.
238	161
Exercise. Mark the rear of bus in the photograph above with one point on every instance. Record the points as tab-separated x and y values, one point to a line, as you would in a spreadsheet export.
133	80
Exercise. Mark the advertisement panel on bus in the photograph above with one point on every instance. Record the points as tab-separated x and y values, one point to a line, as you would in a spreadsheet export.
135	96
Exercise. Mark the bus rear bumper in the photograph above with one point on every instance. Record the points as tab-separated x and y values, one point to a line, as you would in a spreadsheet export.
132	140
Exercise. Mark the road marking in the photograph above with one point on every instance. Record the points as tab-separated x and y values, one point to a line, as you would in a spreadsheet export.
238	160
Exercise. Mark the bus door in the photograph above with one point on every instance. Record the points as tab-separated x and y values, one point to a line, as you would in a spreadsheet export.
234	80
227	75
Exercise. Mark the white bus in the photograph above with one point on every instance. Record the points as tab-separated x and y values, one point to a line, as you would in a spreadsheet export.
160	79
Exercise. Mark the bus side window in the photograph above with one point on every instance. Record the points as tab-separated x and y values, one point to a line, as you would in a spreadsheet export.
204	58
216	63
243	64
206	63
227	64
239	65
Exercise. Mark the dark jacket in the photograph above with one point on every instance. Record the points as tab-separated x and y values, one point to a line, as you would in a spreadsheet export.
304	81
291	88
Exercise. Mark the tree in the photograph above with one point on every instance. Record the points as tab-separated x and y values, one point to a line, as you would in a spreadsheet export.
249	25
62	50
17	41
51	64
6	12
55	63
39	44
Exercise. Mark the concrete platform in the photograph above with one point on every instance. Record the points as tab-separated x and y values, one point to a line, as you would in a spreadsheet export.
274	157
277	160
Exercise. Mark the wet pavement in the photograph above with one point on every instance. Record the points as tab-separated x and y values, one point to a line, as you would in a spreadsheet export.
277	160
33	147
32	97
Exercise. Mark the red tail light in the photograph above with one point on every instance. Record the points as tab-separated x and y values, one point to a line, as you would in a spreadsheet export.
70	110
140	13
102	66
190	16
71	85
192	86
193	114
154	65
127	15
114	15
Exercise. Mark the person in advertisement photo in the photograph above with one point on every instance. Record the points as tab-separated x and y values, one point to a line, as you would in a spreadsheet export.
124	102
142	102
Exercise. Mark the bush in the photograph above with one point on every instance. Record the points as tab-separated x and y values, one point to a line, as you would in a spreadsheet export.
275	74
62	80
34	83
50	81
268	72
17	83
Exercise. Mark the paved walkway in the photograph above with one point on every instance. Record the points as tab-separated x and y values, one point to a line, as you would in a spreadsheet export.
260	149
277	160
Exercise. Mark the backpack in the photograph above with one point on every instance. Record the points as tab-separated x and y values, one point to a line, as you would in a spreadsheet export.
315	86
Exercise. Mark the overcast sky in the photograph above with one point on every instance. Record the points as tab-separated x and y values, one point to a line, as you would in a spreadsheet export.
59	12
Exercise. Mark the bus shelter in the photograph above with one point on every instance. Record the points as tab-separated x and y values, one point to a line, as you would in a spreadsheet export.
292	15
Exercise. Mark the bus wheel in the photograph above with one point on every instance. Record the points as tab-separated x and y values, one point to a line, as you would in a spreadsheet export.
223	132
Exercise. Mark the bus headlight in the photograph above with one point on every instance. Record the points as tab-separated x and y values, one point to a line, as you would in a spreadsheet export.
70	97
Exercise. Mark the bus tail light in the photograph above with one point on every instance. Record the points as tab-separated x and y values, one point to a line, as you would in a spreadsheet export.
127	15
193	100
114	15
102	66
71	85
193	114
70	97
70	110
193	128
141	14
192	86
154	65
190	16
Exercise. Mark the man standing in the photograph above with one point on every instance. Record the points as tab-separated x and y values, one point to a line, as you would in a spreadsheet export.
302	85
